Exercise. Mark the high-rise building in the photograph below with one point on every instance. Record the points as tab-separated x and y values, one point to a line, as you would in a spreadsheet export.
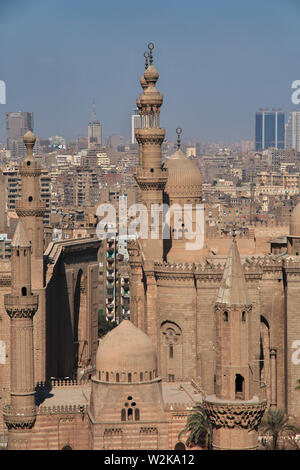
292	131
269	129
17	124
94	132
135	123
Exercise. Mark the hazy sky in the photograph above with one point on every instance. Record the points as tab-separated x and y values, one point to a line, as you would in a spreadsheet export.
219	61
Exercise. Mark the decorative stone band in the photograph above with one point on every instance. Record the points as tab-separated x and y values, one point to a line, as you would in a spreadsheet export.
34	212
65	409
30	172
19	419
241	415
151	136
21	307
221	307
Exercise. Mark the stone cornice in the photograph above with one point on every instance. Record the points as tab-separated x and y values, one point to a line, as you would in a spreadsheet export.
19	419
21	307
231	415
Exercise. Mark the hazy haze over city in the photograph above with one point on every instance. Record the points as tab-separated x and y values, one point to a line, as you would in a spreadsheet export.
219	61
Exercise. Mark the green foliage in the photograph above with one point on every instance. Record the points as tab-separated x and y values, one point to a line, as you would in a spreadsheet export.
275	424
104	326
199	428
298	385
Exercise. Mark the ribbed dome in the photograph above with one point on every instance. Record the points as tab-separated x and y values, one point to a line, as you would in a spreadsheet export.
295	221
126	349
184	177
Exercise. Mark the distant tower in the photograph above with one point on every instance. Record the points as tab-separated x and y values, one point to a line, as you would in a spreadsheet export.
135	124
31	209
292	131
269	129
236	408
150	177
17	124
21	306
94	131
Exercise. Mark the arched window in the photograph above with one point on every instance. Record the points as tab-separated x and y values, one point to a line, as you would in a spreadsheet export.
179	446
141	376
239	387
123	415
129	377
24	291
225	316
150	375
137	414
171	351
18	253
107	377
243	316
129	414
117	377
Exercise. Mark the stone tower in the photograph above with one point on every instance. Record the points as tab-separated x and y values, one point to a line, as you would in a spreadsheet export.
21	305
30	209
126	408
236	408
150	177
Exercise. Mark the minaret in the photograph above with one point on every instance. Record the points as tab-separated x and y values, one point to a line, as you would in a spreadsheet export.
236	409
21	305
30	209
151	178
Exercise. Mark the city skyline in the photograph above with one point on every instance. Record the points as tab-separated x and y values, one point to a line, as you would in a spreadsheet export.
220	63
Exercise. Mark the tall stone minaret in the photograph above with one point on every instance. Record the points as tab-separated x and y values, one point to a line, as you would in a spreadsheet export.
30	209
151	178
21	306
236	408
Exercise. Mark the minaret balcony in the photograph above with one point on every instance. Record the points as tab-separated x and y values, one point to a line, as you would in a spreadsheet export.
18	306
19	419
150	135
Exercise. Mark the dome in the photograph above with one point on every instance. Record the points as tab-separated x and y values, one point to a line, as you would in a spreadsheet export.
151	75
295	221
29	138
184	177
143	82
125	351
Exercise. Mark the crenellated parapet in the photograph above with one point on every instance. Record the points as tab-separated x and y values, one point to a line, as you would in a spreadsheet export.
183	272
62	409
292	267
235	415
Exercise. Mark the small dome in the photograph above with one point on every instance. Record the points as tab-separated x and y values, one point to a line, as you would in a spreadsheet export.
151	75
143	82
184	177
126	349
295	221
29	138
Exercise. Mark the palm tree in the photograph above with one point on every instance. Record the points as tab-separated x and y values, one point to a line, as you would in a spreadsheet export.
199	428
275	423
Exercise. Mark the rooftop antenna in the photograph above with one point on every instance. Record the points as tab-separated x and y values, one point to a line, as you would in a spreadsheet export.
94	110
178	132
